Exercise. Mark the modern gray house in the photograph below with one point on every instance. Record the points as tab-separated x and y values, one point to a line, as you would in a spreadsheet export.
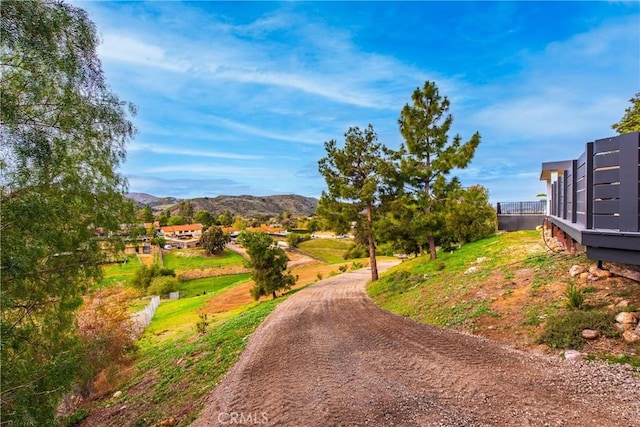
594	200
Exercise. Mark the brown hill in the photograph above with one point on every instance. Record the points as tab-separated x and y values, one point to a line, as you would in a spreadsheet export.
248	206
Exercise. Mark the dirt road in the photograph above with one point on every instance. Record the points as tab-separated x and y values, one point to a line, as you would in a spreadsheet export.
329	357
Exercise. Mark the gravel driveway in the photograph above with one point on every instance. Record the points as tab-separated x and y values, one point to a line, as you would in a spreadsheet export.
329	357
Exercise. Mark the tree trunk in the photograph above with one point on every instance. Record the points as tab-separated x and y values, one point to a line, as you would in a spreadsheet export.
274	295
432	247
372	245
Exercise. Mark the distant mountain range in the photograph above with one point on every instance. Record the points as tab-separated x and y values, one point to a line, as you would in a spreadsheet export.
249	206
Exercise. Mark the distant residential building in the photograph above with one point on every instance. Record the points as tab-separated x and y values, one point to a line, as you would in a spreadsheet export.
181	231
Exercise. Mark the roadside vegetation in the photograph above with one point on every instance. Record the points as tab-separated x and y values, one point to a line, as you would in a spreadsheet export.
512	289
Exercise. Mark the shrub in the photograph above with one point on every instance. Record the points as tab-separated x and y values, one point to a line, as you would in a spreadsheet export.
202	324
294	239
575	296
356	251
343	268
355	265
105	330
319	276
163	285
144	275
565	330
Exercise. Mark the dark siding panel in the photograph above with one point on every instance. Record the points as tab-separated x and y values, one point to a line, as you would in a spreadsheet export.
606	176
605	207
611	191
614	255
629	177
606	222
606	144
606	160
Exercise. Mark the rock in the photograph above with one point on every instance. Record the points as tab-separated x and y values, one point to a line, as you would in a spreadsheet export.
626	317
584	275
598	272
592	277
623	303
168	422
472	270
630	336
572	355
117	394
576	270
482	259
590	334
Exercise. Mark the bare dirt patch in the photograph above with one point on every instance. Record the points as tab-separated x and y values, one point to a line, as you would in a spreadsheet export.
328	356
239	295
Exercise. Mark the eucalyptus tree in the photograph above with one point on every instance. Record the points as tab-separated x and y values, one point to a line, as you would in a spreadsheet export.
62	138
427	156
354	177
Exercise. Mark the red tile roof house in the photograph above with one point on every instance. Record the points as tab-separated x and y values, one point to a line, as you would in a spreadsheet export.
185	236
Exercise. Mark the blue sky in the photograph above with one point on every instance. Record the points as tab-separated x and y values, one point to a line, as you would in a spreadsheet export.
239	97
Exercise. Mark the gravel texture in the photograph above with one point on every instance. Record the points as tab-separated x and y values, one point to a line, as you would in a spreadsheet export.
328	356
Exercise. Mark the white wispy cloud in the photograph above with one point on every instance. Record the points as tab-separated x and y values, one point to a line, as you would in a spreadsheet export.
212	171
132	50
179	151
307	138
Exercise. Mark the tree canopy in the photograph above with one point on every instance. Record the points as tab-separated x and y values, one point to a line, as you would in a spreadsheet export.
353	176
268	264
214	240
630	122
427	156
63	135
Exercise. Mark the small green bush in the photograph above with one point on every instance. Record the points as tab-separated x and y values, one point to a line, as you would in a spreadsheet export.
201	325
144	275
575	296
163	285
343	268
75	418
531	317
294	239
319	276
355	265
565	330
356	251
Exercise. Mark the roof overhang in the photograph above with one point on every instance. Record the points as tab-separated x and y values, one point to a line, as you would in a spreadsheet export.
550	167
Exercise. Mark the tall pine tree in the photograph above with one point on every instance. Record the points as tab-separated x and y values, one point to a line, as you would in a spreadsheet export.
427	156
353	176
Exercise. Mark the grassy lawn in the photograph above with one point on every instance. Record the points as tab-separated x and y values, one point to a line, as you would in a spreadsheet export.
328	250
195	259
119	272
211	285
176	317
